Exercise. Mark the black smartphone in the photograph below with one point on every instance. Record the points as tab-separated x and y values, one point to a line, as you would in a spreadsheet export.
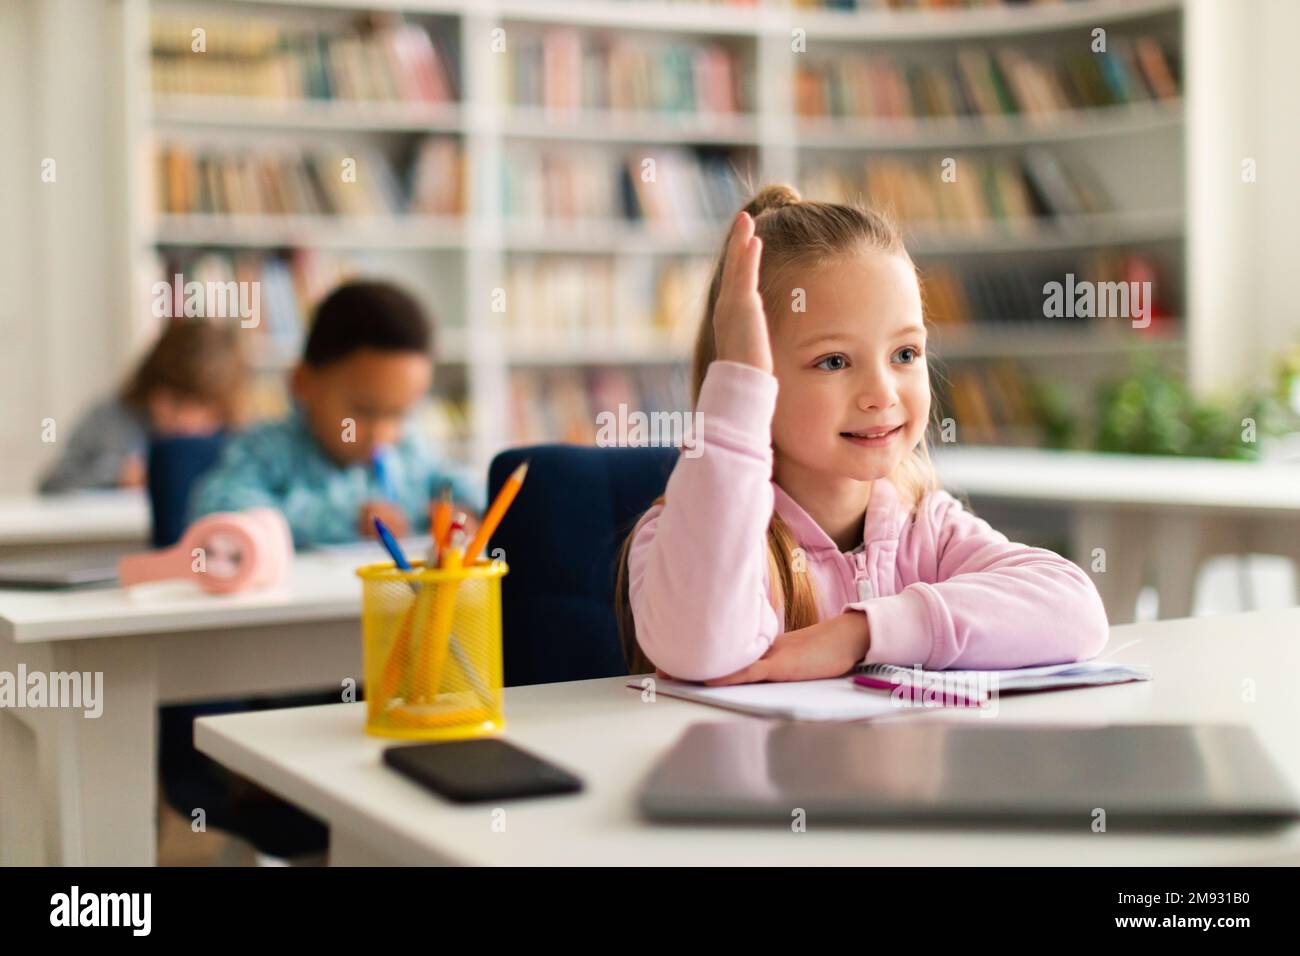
471	771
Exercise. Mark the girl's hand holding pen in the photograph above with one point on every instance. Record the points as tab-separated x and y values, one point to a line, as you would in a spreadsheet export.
739	323
830	648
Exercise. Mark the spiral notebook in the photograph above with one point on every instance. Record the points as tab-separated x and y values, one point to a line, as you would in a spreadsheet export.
972	688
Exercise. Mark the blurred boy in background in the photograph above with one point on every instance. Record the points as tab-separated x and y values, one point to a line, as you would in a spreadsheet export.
344	455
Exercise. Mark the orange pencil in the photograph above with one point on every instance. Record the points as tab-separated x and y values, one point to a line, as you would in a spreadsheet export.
505	497
440	522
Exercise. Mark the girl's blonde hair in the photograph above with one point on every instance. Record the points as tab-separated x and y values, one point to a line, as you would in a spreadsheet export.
796	233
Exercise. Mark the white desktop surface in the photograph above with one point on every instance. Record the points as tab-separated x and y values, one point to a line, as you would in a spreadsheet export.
1131	481
322	585
320	759
73	519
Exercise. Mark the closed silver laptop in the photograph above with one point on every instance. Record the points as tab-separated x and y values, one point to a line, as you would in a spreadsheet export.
1139	776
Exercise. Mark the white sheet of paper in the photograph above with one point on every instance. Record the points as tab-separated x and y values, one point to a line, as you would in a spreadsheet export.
833	699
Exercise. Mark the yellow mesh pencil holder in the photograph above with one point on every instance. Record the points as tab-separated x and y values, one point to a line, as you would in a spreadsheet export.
431	641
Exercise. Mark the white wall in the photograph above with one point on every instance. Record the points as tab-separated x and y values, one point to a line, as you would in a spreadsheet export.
20	343
63	288
1243	91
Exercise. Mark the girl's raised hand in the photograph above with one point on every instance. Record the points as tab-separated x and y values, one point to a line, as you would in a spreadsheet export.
739	325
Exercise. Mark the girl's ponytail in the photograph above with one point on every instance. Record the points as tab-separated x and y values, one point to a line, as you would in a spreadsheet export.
772	196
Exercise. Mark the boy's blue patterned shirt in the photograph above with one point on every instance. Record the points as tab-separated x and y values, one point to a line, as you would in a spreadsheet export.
281	465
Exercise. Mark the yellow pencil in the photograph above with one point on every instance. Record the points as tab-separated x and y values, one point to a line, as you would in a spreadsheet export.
433	646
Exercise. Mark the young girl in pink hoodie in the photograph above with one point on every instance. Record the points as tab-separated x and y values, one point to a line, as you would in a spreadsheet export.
809	535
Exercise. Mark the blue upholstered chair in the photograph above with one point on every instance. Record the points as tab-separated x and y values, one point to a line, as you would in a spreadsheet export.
561	539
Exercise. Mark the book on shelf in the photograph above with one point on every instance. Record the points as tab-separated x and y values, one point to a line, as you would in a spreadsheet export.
681	293
986	83
1016	294
663	187
554	301
437	180
199	179
563	68
990	403
1013	191
927	6
570	302
445	420
256	57
561	405
289	284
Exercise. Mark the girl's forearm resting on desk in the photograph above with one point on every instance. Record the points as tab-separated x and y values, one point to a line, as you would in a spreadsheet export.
830	648
978	601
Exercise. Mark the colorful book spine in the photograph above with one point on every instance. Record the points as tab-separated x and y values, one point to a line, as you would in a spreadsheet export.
679	188
280	181
254	57
988	84
1018	191
562	405
567	69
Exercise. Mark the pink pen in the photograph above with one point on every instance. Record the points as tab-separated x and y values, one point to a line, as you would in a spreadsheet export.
916	693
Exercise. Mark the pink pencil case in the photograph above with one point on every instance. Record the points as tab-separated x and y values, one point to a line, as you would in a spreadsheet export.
225	552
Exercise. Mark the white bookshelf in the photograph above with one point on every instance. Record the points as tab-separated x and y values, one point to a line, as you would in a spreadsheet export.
466	259
237	113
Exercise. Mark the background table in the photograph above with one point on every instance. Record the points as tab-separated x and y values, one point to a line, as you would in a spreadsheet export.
320	759
84	791
72	524
1153	519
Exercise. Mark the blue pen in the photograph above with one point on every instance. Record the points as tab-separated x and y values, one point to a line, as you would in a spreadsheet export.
379	459
399	558
394	549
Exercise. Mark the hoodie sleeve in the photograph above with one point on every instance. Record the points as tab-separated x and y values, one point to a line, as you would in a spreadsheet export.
697	568
979	601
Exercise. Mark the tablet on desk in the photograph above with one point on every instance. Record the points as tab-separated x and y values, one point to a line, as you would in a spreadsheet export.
1142	776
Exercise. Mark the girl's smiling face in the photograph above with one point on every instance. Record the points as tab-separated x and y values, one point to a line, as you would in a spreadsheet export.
850	367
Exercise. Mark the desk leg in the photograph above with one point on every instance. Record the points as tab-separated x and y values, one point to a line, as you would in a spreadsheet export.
20	842
1275	536
98	776
1121	538
1180	544
22	839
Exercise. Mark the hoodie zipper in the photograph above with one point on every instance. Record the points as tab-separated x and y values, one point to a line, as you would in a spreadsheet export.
865	591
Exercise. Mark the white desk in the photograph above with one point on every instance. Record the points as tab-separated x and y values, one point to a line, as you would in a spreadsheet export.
83	791
33	525
1154	519
320	759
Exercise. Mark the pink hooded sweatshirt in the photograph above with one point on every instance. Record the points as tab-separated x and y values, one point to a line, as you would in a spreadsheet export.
939	586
